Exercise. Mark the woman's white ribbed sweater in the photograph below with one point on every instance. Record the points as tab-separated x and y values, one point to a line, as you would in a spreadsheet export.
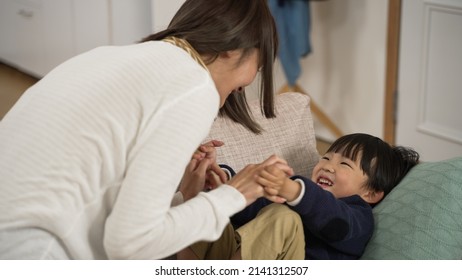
94	152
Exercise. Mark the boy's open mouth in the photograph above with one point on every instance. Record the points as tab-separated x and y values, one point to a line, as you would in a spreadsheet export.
324	182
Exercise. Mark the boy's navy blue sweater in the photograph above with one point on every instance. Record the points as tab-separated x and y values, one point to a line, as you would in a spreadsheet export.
334	228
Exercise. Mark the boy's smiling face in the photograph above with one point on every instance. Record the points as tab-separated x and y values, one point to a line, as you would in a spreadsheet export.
340	175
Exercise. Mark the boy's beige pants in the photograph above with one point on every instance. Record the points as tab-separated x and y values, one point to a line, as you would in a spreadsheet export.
275	234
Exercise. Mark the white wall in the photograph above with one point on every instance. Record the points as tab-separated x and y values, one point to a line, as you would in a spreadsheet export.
163	11
136	14
345	73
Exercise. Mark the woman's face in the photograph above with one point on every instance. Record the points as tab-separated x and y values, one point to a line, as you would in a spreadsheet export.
230	72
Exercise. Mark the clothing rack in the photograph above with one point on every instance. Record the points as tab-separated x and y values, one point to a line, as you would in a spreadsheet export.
323	118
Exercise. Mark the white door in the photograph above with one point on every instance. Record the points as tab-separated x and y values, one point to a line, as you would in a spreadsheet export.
430	78
21	25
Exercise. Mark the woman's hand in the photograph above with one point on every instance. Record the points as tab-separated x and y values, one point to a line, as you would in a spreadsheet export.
215	175
194	178
202	172
246	181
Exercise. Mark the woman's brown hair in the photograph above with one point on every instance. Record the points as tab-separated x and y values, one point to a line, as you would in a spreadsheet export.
215	26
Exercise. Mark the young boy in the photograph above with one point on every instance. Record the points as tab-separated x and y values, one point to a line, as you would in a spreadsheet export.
335	206
286	243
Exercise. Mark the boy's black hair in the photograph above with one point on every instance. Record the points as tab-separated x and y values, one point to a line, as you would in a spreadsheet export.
384	165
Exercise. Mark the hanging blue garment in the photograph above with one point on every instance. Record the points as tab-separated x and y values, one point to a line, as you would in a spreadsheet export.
293	22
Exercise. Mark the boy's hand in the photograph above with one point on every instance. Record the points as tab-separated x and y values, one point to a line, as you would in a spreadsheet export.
246	180
273	179
277	183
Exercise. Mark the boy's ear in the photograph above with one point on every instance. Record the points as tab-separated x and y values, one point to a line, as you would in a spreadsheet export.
372	197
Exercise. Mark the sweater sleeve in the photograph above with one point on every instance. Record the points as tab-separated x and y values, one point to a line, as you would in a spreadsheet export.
251	211
344	224
143	225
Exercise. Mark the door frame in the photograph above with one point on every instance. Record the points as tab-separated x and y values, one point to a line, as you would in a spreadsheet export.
391	72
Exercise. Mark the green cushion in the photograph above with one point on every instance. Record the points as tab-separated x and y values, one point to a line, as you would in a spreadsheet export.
422	217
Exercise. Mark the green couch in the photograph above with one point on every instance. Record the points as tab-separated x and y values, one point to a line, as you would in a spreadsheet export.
422	217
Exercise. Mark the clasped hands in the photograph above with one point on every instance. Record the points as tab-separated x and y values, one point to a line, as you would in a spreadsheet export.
266	179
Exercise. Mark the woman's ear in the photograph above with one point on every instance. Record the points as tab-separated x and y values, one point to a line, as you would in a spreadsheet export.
372	197
235	55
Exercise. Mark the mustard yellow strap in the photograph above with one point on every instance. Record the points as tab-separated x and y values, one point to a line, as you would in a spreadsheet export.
182	43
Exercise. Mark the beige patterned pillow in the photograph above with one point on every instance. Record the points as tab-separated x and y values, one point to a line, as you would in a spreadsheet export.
290	135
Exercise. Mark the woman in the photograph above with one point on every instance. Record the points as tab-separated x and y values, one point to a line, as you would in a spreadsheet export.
92	154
